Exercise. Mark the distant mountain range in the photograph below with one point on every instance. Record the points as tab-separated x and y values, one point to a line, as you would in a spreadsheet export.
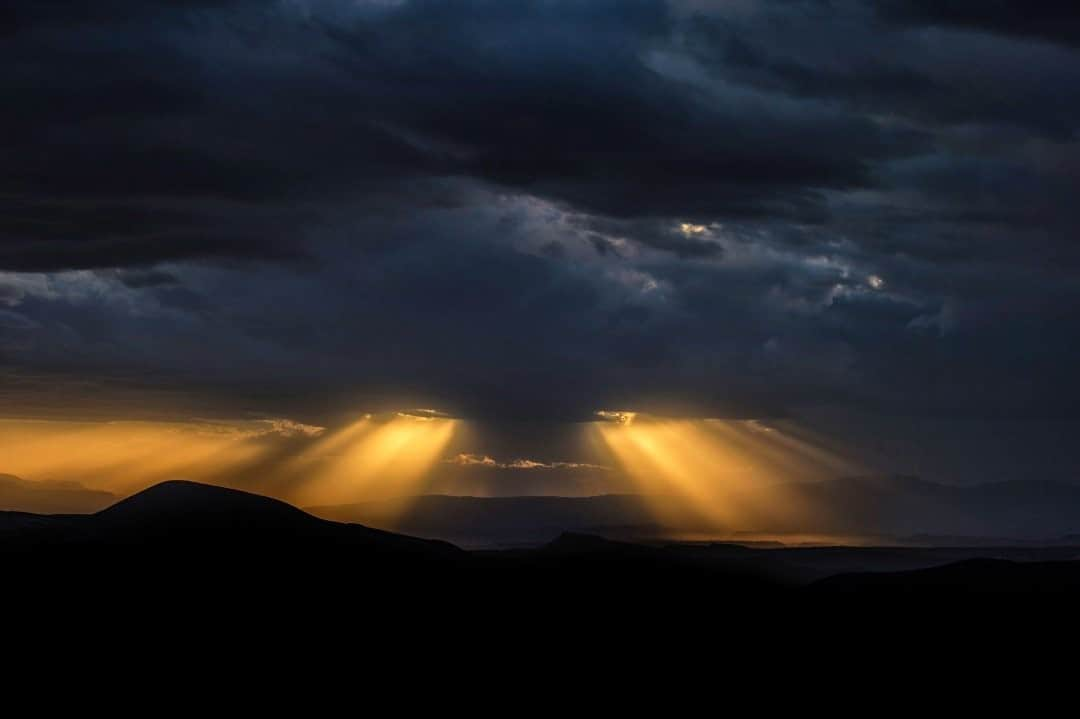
484	521
906	506
899	507
50	497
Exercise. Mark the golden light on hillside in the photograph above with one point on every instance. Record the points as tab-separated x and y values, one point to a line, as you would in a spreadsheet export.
717	474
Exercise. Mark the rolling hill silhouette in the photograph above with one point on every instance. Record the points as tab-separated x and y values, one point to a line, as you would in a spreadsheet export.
969	577
183	516
182	544
183	539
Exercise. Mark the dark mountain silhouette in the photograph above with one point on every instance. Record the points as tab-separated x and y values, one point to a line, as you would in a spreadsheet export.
185	537
804	564
181	542
182	545
487	521
210	525
972	576
49	497
180	501
895	509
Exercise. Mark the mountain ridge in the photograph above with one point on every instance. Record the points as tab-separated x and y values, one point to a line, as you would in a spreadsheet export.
894	505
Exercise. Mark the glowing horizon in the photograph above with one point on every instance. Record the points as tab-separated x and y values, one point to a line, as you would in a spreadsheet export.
694	473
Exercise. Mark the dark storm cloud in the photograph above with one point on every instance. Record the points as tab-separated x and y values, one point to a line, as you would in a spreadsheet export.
524	208
841	53
122	114
565	100
173	131
148	278
1053	21
683	239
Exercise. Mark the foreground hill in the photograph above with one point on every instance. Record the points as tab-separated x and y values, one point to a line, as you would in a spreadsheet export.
188	517
186	540
187	546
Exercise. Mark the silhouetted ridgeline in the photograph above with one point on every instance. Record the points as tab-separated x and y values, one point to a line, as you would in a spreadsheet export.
181	541
901	508
489	521
204	523
53	497
183	553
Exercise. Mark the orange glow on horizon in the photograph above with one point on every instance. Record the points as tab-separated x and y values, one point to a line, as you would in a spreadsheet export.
694	474
372	458
124	457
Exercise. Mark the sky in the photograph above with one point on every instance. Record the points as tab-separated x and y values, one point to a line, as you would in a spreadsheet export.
857	217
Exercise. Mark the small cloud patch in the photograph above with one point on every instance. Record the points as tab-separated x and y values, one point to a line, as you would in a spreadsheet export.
483	460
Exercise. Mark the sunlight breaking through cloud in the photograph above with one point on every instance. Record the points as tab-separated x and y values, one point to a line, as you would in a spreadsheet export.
716	474
372	459
375	457
696	474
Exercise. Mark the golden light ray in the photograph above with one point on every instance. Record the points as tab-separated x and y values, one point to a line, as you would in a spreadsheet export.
390	461
372	458
724	474
632	453
812	455
771	460
819	447
729	471
678	486
311	463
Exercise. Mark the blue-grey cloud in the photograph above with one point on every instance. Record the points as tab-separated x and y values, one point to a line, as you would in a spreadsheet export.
521	209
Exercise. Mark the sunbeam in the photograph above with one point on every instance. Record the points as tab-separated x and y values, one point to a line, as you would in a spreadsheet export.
719	475
374	459
386	457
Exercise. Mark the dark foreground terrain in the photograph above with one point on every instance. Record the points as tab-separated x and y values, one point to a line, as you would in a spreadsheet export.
181	549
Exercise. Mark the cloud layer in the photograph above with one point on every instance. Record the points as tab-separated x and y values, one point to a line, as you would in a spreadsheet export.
522	209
